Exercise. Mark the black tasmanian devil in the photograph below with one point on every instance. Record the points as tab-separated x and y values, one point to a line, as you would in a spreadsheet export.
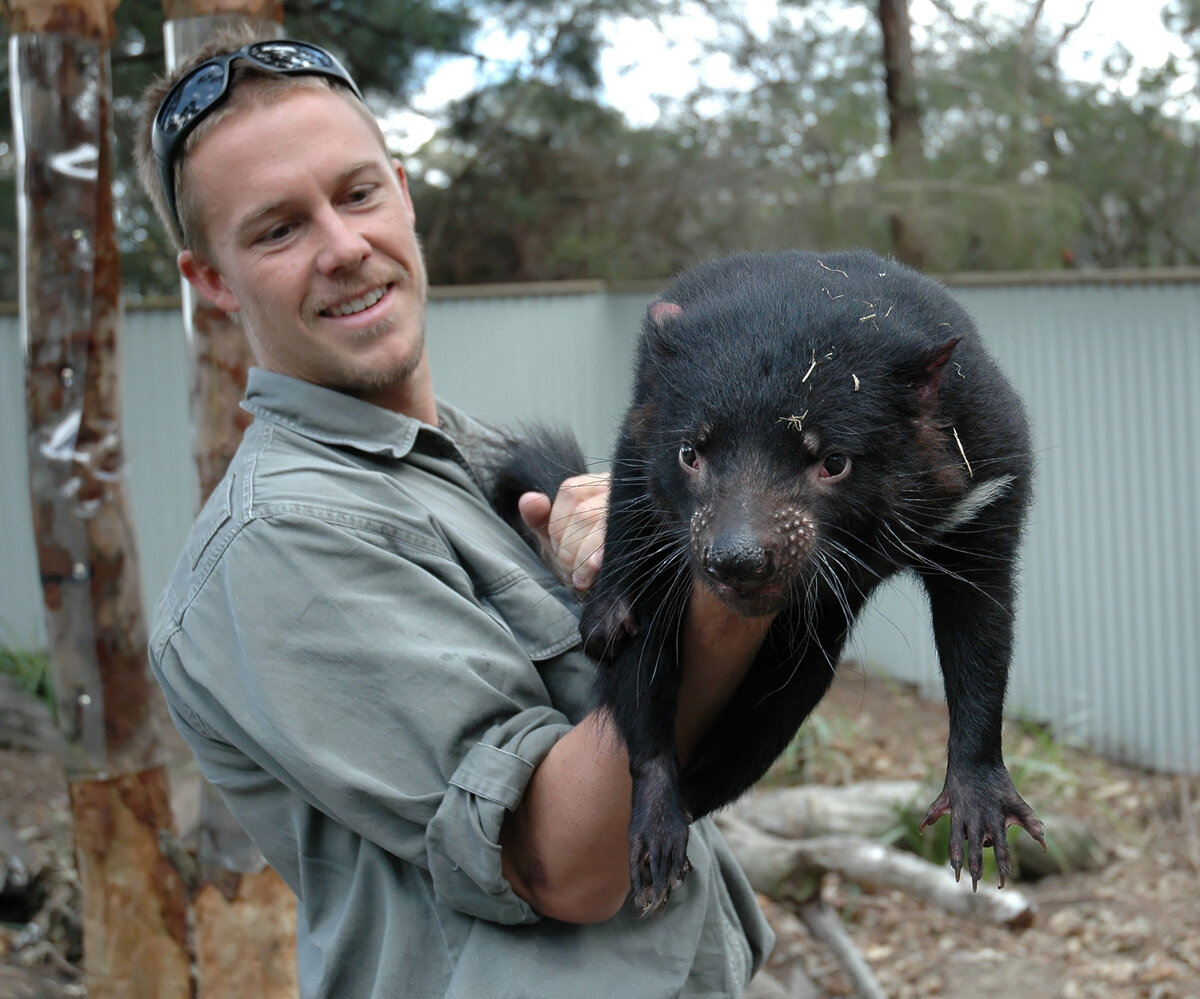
804	426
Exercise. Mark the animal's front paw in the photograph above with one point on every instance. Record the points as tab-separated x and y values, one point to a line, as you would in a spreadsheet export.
982	803
658	859
606	624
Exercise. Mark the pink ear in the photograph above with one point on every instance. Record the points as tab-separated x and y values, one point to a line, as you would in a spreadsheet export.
930	372
663	312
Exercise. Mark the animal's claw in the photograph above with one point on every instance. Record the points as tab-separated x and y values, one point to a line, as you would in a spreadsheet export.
656	871
658	861
981	806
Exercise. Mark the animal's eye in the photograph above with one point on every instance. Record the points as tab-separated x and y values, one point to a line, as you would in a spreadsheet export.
688	456
835	466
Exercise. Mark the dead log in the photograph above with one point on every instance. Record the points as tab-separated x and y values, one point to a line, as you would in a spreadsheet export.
868	808
791	870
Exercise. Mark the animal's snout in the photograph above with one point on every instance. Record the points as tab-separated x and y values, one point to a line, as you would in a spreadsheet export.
737	558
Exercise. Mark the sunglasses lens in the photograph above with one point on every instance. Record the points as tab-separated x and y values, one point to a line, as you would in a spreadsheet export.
289	55
192	99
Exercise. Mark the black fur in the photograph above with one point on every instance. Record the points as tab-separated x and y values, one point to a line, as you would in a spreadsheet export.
538	460
804	426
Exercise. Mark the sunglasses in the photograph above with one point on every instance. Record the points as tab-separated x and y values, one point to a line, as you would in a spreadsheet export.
193	98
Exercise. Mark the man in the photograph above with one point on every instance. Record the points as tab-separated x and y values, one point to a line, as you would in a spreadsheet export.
385	683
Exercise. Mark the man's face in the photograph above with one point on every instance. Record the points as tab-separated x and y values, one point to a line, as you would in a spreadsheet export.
310	227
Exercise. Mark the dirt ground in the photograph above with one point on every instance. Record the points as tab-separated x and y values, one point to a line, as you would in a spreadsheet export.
1130	930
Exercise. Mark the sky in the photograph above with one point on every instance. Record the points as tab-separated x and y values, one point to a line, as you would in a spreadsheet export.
644	64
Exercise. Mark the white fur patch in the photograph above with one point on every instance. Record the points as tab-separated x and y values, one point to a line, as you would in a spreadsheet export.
967	508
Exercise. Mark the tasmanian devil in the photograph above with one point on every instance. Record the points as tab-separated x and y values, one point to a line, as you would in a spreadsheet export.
803	426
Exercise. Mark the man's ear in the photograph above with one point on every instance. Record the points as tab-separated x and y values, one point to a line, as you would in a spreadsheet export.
403	178
207	280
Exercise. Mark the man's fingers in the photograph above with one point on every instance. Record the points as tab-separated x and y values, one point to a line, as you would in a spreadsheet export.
535	511
570	529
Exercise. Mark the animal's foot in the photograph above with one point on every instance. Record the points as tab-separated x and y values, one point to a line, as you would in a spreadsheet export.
658	859
982	803
606	624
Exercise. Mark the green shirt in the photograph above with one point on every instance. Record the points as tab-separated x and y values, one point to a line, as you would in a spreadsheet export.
369	664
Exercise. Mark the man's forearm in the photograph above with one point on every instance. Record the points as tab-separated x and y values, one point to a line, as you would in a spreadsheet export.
566	846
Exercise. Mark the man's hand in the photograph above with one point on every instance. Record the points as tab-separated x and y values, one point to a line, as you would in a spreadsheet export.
571	529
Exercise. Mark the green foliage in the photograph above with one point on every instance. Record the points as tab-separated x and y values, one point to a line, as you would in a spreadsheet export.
30	669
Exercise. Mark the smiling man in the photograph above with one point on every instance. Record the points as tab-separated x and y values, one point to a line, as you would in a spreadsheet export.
385	682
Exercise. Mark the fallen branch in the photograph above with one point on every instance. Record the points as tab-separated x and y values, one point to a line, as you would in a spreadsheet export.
791	870
869	808
824	923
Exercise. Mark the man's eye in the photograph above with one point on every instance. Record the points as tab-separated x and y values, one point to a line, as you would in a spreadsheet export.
277	232
361	194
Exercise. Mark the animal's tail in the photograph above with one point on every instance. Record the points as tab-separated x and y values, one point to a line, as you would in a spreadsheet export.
536	461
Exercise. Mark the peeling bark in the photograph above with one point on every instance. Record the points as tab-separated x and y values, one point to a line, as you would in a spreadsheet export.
134	903
246	930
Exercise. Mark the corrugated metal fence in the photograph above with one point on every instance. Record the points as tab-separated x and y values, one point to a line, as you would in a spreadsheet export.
1109	627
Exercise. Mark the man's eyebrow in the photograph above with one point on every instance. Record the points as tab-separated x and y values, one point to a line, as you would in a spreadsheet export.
256	216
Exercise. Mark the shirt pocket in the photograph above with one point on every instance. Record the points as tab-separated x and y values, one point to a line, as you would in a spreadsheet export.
535	617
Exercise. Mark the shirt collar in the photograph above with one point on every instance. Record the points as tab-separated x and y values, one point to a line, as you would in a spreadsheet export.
329	416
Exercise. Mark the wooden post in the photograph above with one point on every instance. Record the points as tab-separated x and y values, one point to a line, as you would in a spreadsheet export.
134	902
245	922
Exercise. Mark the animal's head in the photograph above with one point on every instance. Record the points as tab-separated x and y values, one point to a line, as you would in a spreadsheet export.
777	431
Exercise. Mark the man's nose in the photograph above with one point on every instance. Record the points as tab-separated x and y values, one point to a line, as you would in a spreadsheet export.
342	246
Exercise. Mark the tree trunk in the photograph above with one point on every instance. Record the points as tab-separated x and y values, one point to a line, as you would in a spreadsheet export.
135	906
904	123
219	352
245	914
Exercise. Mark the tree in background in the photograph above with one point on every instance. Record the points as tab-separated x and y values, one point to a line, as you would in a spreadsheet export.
134	907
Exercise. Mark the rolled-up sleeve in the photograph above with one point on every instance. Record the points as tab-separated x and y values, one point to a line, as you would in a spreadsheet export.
360	666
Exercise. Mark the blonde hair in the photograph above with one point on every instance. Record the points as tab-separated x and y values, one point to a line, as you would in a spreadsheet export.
249	87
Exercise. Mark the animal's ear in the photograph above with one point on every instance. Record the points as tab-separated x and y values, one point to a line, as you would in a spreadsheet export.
926	374
662	313
660	318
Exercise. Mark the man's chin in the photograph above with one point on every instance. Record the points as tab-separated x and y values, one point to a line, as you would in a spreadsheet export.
366	380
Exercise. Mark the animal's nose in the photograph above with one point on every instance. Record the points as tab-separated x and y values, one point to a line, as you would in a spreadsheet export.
737	558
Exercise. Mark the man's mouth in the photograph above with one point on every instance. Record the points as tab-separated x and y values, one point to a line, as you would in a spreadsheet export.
359	304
